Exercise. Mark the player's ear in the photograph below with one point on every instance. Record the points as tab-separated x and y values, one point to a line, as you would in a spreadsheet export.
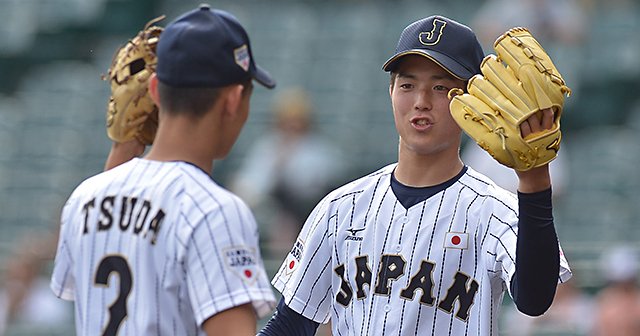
232	99
153	89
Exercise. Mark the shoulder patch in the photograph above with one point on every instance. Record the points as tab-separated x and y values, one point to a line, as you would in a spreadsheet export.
242	261
294	257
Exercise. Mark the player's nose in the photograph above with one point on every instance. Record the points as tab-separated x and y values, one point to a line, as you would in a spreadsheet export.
422	101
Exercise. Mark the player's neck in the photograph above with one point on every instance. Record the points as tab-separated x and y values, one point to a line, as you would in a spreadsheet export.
182	140
423	171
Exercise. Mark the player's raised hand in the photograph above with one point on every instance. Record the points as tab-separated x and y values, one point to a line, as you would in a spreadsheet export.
536	179
513	109
537	122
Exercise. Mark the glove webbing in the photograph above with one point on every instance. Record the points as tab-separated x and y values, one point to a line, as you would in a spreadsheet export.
540	65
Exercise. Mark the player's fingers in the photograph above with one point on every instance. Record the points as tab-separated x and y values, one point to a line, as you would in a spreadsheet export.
139	120
547	118
525	128
534	123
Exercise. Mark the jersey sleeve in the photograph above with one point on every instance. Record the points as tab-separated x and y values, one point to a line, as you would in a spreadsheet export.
223	264
565	270
63	282
304	278
503	225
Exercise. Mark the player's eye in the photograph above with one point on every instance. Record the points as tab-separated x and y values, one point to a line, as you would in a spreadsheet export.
405	86
441	88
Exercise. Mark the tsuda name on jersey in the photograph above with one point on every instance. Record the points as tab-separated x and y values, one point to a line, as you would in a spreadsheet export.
120	210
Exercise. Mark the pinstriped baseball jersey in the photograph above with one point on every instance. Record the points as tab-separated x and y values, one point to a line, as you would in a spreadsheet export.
373	267
155	248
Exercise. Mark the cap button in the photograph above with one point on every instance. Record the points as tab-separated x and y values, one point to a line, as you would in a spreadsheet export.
205	6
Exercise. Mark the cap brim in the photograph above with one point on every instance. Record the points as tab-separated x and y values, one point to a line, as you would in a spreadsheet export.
263	77
444	61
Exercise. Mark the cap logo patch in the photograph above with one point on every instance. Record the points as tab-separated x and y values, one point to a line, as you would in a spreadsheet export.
433	37
242	57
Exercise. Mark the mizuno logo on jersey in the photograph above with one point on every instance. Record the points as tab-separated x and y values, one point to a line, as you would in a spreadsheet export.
354	234
392	267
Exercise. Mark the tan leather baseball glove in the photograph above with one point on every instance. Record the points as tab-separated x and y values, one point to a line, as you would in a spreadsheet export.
517	82
131	114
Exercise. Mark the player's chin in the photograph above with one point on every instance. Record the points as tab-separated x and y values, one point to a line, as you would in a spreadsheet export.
418	146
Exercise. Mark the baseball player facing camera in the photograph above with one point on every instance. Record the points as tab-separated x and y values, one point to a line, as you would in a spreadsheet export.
154	245
427	245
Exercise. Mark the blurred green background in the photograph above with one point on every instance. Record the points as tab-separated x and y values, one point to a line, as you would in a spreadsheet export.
53	101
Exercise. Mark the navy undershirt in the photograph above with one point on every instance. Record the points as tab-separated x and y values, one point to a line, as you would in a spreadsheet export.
532	286
287	322
534	283
410	196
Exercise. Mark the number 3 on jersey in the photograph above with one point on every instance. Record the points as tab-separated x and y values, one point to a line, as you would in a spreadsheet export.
118	310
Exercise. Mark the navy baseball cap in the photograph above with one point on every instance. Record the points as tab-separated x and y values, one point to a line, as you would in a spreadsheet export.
450	44
207	48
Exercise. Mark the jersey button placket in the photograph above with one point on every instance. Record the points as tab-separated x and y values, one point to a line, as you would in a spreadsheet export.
401	221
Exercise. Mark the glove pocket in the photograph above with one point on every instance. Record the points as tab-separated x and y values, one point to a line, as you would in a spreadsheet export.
485	126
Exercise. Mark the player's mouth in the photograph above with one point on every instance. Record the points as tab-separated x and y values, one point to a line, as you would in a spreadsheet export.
421	123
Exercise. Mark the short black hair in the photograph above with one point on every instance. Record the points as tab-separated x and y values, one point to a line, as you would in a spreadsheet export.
189	101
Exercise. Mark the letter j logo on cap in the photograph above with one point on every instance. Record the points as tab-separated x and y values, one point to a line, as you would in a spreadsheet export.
433	37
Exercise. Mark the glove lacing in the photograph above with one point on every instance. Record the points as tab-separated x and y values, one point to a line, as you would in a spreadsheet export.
488	120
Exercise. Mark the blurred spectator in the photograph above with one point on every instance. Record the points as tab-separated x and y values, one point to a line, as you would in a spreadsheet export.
288	170
550	21
25	297
618	303
559	25
571	313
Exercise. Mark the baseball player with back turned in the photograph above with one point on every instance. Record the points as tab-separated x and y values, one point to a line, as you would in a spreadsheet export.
427	245
153	246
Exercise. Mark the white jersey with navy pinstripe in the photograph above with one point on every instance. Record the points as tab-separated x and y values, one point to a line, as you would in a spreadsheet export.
373	267
155	248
